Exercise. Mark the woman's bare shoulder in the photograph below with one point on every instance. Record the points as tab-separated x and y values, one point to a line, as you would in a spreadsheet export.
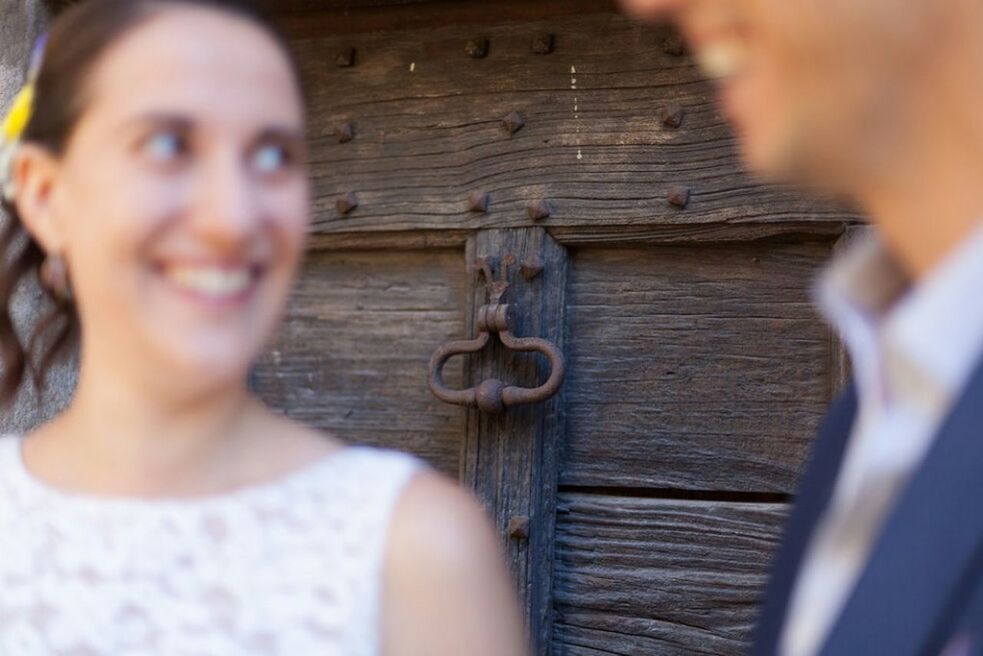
448	590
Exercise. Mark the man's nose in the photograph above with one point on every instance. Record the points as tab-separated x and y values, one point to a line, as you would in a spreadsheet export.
652	8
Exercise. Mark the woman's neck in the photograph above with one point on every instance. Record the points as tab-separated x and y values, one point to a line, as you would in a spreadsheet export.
122	437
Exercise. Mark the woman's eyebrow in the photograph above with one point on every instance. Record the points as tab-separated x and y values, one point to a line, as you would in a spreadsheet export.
178	121
281	133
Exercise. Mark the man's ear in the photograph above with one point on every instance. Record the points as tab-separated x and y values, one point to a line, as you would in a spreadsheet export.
35	177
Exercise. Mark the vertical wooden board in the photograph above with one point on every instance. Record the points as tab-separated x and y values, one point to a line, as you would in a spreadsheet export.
637	576
694	368
351	357
510	459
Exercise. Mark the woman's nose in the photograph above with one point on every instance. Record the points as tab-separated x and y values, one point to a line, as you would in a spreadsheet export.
228	211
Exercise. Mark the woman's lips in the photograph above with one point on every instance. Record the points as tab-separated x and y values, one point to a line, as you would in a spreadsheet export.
211	282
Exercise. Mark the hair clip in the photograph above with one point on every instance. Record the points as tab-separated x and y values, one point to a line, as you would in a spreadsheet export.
37	56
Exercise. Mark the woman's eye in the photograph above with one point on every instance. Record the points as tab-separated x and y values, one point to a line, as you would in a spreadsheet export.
270	158
165	146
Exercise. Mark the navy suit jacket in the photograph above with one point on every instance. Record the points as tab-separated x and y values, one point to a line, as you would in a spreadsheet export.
921	593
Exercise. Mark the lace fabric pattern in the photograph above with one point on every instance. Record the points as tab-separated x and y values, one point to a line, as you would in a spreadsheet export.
291	567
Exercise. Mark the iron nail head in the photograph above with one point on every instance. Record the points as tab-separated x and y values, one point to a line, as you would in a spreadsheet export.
345	132
672	115
346	203
477	48
519	527
674	45
542	43
478	202
531	270
513	122
678	196
539	210
346	58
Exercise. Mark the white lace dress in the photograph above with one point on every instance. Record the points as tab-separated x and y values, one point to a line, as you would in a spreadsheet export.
290	567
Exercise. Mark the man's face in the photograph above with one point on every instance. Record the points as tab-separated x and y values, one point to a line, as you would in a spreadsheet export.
818	91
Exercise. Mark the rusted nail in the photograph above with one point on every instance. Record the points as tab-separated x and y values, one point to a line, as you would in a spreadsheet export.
542	44
674	45
672	115
513	122
539	210
519	527
345	132
531	269
346	58
345	204
678	196
478	202
477	48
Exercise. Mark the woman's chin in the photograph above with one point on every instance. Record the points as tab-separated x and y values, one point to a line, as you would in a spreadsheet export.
193	369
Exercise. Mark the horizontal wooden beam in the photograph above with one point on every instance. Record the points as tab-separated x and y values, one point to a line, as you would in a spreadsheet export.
313	18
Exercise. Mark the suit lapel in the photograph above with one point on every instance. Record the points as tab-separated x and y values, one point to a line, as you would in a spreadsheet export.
814	492
928	545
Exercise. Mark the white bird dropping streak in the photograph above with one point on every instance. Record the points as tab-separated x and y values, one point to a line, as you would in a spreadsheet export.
412	67
576	111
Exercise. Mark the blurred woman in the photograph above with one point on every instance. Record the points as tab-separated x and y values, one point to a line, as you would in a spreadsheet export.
154	177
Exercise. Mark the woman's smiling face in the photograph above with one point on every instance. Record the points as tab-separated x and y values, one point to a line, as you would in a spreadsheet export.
182	198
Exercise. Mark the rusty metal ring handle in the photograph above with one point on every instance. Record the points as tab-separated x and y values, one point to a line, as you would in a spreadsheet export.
439	359
493	396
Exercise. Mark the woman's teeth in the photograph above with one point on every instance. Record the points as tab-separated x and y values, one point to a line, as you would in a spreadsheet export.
722	59
211	281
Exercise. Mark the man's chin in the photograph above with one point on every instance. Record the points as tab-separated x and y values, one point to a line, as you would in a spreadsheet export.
792	162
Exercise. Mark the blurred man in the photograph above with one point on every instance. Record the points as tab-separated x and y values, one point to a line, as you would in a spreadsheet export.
880	101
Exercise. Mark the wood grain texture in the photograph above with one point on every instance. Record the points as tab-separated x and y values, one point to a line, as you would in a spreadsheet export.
510	459
694	368
352	354
647	576
305	18
428	132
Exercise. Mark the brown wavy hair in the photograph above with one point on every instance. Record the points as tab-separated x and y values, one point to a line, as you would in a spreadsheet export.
78	37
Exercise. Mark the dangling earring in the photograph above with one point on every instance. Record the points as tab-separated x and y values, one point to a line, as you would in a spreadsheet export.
54	276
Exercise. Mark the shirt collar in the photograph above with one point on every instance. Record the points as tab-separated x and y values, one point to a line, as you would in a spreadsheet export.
919	339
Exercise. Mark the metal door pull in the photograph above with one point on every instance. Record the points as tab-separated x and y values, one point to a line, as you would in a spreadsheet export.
493	396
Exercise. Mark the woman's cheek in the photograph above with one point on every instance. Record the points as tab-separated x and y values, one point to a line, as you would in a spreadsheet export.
291	218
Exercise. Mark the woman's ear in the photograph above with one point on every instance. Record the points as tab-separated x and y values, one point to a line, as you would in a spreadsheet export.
35	179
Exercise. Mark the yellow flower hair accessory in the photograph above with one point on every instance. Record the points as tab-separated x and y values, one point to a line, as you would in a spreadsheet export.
19	114
16	121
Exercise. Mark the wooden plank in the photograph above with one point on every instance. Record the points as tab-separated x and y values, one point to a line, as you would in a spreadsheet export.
511	459
312	18
428	132
694	369
352	354
653	576
588	236
402	241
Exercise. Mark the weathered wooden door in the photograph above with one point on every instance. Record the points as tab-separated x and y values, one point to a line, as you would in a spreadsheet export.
641	505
